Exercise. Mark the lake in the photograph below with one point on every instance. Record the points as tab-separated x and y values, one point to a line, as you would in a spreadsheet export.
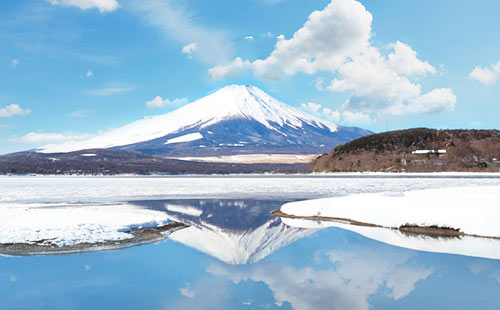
235	255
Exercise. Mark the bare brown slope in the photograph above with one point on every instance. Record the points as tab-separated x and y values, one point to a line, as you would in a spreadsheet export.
466	150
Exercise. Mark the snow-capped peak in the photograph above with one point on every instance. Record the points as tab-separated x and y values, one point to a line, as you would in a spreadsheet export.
230	102
253	103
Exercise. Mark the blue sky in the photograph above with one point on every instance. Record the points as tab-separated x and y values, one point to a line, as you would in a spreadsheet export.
70	69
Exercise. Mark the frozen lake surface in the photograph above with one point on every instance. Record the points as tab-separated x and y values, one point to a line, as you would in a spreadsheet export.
104	189
234	254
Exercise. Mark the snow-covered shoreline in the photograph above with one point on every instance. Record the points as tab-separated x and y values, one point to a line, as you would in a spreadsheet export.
472	210
465	245
67	225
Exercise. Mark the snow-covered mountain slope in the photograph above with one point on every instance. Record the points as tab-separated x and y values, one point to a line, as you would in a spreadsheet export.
234	119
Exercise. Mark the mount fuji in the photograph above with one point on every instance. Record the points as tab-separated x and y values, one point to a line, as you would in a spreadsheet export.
233	120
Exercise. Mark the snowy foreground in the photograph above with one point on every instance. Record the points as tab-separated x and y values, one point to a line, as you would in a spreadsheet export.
65	225
472	210
72	210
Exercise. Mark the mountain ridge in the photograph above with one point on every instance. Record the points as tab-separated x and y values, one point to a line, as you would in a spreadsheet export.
236	119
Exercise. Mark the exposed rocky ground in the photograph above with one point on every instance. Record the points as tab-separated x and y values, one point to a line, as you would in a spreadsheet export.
466	151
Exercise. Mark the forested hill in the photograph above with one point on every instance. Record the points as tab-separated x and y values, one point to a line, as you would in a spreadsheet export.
416	150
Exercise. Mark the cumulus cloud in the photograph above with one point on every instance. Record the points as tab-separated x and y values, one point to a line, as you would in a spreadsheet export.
334	115
404	61
324	42
486	75
311	106
231	71
380	85
38	137
101	5
357	118
337	40
337	116
189	49
13	109
159	102
186	292
437	100
212	45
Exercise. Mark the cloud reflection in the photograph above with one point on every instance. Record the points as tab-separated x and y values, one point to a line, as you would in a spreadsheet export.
347	281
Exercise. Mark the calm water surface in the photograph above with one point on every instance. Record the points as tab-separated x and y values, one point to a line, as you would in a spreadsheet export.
235	255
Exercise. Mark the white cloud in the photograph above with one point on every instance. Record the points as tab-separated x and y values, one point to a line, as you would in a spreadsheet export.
249	37
324	43
311	106
108	91
159	102
13	109
189	49
187	292
37	137
379	85
318	83
212	45
437	100
231	71
89	73
404	61
101	5
14	62
352	118
330	114
486	75
357	118
478	267
345	281
337	40
79	113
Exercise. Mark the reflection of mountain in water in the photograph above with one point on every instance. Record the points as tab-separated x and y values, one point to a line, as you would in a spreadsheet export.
464	245
233	231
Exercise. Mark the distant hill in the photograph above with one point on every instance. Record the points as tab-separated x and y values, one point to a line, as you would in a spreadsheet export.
111	162
416	150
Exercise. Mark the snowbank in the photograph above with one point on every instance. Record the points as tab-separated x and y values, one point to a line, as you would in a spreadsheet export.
465	245
65	225
473	210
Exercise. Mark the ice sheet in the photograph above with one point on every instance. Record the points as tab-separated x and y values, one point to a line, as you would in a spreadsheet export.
105	189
